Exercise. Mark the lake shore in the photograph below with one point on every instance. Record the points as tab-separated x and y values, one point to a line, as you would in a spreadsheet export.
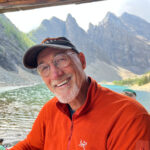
6	87
145	87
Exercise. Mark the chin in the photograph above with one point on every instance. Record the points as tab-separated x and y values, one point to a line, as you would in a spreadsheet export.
64	100
69	96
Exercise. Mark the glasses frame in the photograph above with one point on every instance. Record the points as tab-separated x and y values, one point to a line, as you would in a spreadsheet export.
54	63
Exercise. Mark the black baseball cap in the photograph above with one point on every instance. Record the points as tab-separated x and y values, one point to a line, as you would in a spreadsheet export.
30	57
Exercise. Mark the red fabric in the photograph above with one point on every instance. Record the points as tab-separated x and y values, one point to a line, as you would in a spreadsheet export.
107	121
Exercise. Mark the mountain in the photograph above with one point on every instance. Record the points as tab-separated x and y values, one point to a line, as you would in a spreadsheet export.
115	42
123	41
137	25
13	44
48	28
81	40
113	48
70	29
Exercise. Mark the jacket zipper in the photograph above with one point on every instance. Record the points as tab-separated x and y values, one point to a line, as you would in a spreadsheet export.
69	141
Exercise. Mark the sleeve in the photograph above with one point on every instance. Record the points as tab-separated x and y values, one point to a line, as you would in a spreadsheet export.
35	139
133	135
23	145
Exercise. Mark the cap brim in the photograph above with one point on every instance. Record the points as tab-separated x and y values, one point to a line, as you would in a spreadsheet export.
30	57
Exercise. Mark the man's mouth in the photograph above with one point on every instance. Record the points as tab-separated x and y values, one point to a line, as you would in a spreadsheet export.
63	82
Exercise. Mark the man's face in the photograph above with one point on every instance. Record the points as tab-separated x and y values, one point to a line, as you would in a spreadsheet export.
133	96
67	81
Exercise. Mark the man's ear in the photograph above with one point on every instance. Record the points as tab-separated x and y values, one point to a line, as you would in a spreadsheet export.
82	59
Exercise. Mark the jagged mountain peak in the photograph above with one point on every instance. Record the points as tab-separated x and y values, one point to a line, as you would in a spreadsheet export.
111	20
138	25
72	26
91	26
52	20
110	17
53	27
126	14
45	22
69	16
71	20
56	20
130	17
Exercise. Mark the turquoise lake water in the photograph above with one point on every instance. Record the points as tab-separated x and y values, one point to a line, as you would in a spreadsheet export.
19	108
142	96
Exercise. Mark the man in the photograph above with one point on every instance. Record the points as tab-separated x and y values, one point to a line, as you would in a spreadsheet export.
1	145
129	92
83	115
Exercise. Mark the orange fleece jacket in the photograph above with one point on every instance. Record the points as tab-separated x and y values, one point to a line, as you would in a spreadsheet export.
107	121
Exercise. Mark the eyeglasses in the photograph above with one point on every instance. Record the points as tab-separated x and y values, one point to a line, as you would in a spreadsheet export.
59	61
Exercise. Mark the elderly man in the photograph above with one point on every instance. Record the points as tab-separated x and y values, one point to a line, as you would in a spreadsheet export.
1	145
129	92
83	115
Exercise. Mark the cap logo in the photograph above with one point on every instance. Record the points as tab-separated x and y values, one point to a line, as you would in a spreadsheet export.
48	41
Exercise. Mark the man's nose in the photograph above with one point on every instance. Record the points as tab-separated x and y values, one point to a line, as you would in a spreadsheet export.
55	72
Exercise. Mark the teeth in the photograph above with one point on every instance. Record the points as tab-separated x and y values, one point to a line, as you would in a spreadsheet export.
62	83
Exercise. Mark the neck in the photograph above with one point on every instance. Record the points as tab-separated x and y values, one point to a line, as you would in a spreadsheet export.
81	98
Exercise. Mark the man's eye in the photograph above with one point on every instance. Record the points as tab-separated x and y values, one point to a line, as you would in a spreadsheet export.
44	68
60	60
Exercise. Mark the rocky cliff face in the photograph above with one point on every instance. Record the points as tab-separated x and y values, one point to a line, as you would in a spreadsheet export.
48	28
137	25
13	44
124	41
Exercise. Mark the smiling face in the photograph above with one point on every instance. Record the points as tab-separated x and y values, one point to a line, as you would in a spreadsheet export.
64	82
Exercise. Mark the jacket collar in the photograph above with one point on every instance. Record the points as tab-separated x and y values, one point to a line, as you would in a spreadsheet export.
91	94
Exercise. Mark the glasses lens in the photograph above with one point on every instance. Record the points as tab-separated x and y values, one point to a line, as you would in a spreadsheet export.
43	69
61	61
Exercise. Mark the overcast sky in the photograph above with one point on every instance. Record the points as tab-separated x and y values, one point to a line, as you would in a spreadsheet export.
83	13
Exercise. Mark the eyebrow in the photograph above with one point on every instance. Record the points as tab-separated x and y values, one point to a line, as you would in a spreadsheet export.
57	53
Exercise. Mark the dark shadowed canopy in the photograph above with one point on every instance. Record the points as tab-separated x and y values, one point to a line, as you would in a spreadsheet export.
15	5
